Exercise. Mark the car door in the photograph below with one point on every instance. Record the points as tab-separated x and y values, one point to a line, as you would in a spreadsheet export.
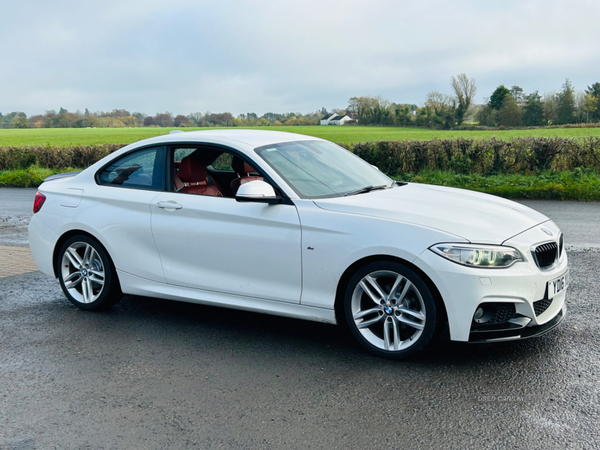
220	244
119	209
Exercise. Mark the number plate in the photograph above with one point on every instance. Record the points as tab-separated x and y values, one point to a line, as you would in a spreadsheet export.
558	285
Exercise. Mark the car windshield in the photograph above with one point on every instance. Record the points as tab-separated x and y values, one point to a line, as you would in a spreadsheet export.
318	169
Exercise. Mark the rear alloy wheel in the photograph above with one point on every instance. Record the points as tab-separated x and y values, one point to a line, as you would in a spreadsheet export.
390	310
86	274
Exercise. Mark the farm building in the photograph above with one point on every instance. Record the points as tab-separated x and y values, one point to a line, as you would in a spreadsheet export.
335	119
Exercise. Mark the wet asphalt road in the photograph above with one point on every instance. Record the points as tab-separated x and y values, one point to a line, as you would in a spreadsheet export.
16	208
158	374
16	201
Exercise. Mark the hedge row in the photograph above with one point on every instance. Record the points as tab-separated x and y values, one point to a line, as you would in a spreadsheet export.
484	156
462	156
82	156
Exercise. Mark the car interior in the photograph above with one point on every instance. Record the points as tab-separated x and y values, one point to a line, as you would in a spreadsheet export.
210	171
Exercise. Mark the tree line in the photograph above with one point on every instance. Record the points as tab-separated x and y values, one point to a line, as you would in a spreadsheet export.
513	108
504	108
120	118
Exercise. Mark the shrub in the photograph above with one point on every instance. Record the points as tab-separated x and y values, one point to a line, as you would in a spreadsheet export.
31	177
47	157
483	156
461	156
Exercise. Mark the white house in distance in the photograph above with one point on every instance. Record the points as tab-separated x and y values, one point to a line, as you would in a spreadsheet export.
335	119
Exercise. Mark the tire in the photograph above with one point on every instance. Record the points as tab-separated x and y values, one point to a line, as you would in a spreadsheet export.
390	310
86	274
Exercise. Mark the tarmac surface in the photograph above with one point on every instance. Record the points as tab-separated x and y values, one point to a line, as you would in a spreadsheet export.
15	261
16	208
157	374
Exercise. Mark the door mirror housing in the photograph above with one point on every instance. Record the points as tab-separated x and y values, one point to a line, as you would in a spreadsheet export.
257	191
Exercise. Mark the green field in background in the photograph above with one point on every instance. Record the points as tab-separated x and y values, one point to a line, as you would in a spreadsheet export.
64	137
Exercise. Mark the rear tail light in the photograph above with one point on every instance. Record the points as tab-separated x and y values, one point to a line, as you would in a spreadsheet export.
38	202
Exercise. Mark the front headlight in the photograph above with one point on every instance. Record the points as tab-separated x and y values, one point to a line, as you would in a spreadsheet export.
481	256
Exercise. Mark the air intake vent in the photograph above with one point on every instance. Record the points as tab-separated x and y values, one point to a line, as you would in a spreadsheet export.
546	255
541	306
504	312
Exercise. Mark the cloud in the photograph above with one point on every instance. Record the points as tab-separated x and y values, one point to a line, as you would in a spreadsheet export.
261	56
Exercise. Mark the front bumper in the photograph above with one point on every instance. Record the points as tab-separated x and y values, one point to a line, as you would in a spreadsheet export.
519	293
512	333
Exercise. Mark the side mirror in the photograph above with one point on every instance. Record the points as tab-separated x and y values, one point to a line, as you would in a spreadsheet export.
257	191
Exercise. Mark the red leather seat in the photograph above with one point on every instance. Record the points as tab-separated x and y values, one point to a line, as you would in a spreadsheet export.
192	172
242	169
177	183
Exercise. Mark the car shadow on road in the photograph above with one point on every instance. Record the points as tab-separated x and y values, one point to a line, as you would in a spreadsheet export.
285	335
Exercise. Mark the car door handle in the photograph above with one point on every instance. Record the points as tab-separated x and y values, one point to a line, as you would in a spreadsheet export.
169	205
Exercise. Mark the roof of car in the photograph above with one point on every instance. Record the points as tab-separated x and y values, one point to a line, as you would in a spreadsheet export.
253	138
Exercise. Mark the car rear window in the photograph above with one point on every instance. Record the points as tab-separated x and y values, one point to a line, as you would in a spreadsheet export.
138	169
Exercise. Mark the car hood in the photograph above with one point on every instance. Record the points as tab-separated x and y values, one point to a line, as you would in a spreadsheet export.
476	217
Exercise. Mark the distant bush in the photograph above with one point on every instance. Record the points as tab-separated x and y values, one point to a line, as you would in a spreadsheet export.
475	127
580	125
33	176
481	156
82	156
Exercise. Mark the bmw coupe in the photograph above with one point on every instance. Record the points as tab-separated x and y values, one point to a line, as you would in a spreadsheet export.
295	226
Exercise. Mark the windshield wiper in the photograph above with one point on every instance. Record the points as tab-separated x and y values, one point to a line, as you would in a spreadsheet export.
367	189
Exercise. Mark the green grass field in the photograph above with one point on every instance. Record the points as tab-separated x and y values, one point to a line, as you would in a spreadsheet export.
64	137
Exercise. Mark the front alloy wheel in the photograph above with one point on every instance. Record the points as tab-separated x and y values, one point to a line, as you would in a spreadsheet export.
390	310
86	274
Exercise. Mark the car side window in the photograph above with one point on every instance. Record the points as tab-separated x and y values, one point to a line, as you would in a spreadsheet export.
141	169
181	153
223	162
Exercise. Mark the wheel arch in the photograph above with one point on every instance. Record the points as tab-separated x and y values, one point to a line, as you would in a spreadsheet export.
69	234
357	265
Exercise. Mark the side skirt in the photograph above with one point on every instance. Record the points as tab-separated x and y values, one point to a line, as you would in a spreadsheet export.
133	285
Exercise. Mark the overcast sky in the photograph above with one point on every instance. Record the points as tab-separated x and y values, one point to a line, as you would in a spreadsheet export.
258	56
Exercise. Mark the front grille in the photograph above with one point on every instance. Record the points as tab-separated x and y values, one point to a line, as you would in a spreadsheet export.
546	254
541	306
504	312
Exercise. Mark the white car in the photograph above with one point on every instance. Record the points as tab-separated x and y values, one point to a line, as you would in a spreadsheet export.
296	226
